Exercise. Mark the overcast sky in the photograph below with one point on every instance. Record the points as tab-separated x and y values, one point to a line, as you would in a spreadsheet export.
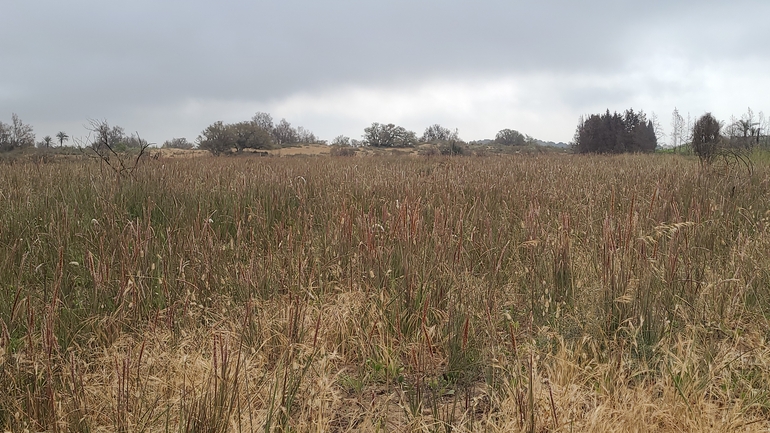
170	68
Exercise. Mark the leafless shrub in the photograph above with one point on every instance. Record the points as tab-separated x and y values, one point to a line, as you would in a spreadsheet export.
102	144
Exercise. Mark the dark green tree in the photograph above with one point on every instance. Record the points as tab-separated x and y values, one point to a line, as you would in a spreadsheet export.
510	137
249	135
438	134
62	136
46	143
389	135
217	138
639	134
615	133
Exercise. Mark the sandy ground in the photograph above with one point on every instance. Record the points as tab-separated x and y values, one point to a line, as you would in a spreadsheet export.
179	153
305	149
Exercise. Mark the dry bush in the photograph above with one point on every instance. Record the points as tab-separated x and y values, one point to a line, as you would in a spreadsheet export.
342	151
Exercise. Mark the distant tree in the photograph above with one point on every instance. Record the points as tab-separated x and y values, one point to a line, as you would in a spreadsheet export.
62	138
284	134
510	137
677	129
438	134
220	138
390	135
589	136
744	132
108	145
264	121
657	127
216	138
5	137
706	137
17	135
305	136
615	133
132	141
639	134
341	140
177	143
249	135
747	128
22	134
47	140
106	137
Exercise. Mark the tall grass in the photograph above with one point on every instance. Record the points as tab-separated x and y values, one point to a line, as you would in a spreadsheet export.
529	293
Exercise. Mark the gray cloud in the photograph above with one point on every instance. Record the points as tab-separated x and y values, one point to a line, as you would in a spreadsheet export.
67	61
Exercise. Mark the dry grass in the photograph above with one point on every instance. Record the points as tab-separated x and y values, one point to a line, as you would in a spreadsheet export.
526	293
180	153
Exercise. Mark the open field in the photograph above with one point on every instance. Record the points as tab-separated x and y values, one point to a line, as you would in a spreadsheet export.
515	293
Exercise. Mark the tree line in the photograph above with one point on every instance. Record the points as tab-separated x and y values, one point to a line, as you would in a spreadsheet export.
257	133
630	131
18	135
260	132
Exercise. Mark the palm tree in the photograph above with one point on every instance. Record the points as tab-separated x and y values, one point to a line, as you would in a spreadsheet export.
47	141
62	138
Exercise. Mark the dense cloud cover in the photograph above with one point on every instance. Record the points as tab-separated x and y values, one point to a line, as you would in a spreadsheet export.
170	68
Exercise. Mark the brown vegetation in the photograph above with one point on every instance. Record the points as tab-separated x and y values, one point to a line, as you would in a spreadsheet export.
514	293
